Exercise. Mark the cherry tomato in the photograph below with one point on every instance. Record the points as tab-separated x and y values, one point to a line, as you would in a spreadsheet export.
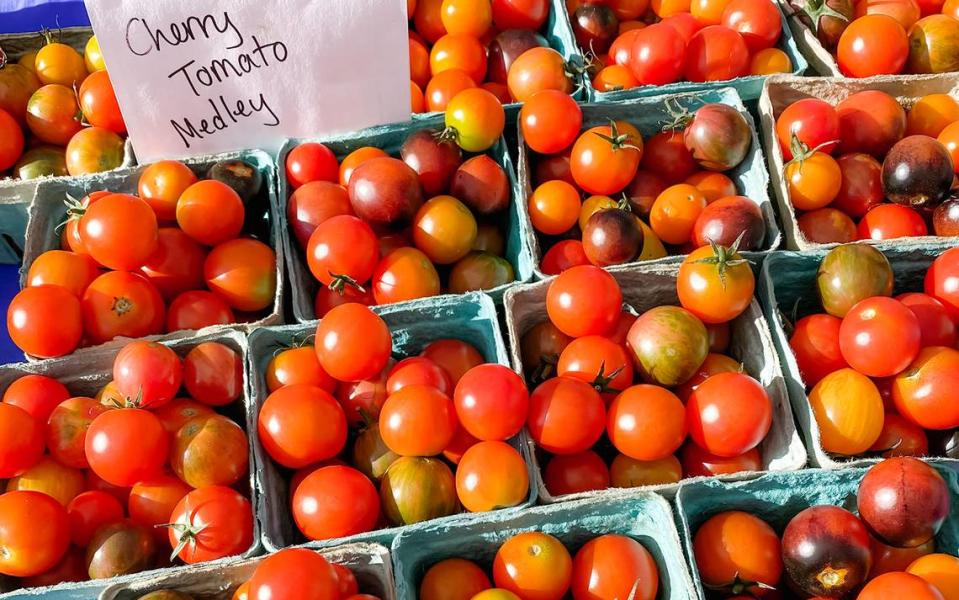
453	579
99	103
566	416
872	45
942	280
939	570
444	86
477	118
758	21
729	414
444	229
697	462
813	182
459	51
554	207
899	585
300	425
491	475
53	115
931	114
176	266
119	231
148	373
870	122
297	365
713	289
242	272
67	269
468	17
353	343
404	274
455	356
533	564
646	422
614	78
417	370
67	429
418	420
666	155
88	512
564	255
209	523
34	532
888	221
161	184
520	14
921	392
11	146
22	440
92	150
213	374
45	321
604	160
335	501
879	337
813	122
770	62
38	395
428	18
716	53
536	70
815	344
550	121
119	303
210	450
342	250
126	445
176	413
584	300
861	186
614	566
599	361
196	310
295	573
937	326
210	212
734	547
491	402
311	161
152	501
675	211
848	410
576	473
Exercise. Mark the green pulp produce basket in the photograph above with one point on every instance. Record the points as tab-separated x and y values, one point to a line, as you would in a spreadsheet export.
84	374
650	115
749	87
469	317
390	138
647	518
777	497
648	286
48	211
787	285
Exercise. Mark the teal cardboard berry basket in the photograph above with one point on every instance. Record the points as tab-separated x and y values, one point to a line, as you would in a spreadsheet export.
787	290
777	497
470	318
646	518
651	115
749	87
390	138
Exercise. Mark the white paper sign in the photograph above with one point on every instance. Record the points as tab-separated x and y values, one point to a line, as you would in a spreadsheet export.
205	76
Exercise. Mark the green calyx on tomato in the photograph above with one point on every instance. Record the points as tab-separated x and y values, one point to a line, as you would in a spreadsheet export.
724	257
738	586
186	533
817	9
801	151
616	139
602	381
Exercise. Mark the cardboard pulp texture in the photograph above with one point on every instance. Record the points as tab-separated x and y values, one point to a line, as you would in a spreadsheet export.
470	318
651	115
559	36
390	138
778	497
84	374
787	289
48	211
369	562
15	46
781	91
645	287
646	518
748	87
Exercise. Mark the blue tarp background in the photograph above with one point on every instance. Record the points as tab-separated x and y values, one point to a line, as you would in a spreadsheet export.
18	16
21	16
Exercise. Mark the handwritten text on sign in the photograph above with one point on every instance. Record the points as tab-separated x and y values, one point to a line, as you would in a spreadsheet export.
199	78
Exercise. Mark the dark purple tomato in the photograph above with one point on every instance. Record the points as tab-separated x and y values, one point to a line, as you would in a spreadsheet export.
850	273
944	443
385	190
507	47
917	172
726	219
120	549
945	219
595	27
903	501
718	137
481	184
313	203
826	552
828	18
827	226
612	237
643	191
434	160
243	177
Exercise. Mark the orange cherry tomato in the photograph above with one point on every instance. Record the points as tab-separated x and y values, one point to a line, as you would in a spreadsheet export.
715	285
931	114
769	62
444	86
849	412
626	472
444	229
468	17
99	104
712	185
665	8
72	271
614	78
533	564
554	207
604	159
428	18
404	274
60	64
453	579
872	45
491	475
734	547
419	63
647	422
708	12
899	585
904	11
813	182
939	570
417	101
535	70
675	211
93	150
614	566
53	114
161	184
461	52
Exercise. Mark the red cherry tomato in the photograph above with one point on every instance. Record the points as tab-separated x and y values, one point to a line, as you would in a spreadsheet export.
213	374
584	300
126	445
879	337
45	321
937	326
813	122
147	373
209	523
39	395
566	416
353	343
888	221
815	344
294	574
729	414
758	21
716	53
872	45
311	162
491	402
657	55
300	425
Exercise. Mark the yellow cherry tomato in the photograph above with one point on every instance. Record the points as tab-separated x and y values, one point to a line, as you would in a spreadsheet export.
652	246
931	114
92	56
770	61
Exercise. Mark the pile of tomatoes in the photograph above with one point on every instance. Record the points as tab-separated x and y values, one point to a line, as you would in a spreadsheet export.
638	42
883	370
292	573
885	37
58	113
106	486
537	565
457	45
591	350
372	442
919	154
670	188
176	257
826	551
375	228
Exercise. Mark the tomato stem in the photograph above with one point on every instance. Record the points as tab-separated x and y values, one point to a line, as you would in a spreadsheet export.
340	282
602	380
801	151
817	9
186	533
617	139
724	257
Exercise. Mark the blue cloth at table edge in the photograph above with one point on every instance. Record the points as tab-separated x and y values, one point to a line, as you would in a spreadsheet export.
24	16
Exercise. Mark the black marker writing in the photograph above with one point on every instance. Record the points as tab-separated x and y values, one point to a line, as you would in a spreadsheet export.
221	69
142	39
217	121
